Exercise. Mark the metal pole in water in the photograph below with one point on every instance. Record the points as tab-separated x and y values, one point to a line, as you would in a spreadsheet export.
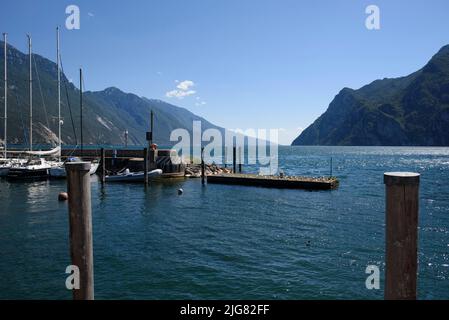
202	166
225	154
81	110
151	126
234	160
152	151
31	93
103	165
401	218
5	35
59	91
240	159
145	166
80	219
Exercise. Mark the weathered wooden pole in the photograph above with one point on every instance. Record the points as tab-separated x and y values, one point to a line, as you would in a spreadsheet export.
402	206
80	219
225	160
114	157
150	141
81	112
103	165
234	160
240	159
145	166
203	169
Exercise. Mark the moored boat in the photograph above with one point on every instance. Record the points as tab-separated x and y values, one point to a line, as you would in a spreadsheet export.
33	169
6	164
58	170
128	176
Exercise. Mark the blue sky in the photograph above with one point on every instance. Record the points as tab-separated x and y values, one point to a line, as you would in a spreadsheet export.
253	64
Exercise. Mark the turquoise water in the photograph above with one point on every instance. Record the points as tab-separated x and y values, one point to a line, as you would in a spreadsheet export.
231	242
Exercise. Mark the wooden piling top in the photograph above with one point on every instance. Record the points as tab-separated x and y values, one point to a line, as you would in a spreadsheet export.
79	166
401	178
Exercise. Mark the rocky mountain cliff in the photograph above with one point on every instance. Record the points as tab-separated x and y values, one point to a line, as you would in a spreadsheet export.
407	111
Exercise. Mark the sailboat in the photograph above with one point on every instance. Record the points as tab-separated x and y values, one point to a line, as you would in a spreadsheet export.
58	169
5	162
33	168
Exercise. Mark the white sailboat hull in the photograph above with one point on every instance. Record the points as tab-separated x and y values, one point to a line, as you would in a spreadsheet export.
59	170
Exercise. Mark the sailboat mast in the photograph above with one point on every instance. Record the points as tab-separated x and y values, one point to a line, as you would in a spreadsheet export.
59	90
81	109
6	97
31	95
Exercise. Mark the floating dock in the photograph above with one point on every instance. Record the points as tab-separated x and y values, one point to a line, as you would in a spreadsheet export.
286	182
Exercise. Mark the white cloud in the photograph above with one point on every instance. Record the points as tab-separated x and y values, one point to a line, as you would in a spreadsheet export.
180	94
200	103
90	14
185	85
183	89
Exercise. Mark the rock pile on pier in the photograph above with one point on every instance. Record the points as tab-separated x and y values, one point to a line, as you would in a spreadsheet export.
194	170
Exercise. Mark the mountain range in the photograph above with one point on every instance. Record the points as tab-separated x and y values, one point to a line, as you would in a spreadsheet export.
106	114
407	111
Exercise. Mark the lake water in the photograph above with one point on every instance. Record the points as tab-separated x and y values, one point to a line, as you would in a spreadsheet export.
231	242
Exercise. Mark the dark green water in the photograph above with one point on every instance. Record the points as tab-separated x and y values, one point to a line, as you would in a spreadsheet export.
230	242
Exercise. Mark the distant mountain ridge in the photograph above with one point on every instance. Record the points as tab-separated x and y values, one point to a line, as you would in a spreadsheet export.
106	114
406	111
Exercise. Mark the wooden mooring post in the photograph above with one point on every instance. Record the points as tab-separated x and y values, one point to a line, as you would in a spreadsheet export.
80	219
240	159
225	162
401	218
103	165
234	156
145	166
203	169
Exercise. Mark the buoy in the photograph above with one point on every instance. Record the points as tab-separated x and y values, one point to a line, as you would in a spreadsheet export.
180	191
63	196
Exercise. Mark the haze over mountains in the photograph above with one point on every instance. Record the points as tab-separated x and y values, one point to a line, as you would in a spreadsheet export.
407	111
106	114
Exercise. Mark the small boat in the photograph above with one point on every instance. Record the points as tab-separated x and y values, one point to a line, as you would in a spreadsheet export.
6	164
128	176
33	169
58	169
